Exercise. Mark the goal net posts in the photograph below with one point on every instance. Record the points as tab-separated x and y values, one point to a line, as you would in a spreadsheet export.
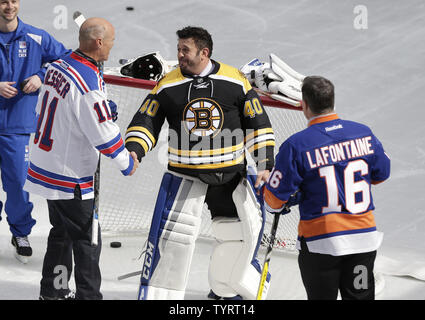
127	203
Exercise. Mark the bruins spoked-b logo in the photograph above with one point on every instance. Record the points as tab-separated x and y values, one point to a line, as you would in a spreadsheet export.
203	117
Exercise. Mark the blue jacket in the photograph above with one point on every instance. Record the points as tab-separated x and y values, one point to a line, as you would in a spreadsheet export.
30	49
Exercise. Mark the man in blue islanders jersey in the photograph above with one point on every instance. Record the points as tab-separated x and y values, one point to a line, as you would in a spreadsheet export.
333	163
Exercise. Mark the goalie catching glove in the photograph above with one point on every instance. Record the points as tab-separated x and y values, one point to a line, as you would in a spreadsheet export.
275	79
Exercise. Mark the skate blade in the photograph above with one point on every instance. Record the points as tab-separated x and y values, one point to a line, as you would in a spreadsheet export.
21	259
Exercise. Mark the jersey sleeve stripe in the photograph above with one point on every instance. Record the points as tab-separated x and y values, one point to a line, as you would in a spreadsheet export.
273	204
112	148
135	136
261	145
262	138
127	171
257	133
134	130
140	141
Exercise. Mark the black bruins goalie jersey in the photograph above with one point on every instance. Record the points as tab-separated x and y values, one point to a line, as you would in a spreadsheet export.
213	120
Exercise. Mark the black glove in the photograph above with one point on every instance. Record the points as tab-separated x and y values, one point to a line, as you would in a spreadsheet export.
114	110
292	201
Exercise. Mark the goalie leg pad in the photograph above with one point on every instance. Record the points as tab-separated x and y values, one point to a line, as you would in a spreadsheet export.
171	241
234	268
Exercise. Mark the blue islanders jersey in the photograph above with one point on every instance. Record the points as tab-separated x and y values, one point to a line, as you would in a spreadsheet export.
333	163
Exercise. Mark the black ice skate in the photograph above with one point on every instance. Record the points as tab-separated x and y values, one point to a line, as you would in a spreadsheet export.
23	248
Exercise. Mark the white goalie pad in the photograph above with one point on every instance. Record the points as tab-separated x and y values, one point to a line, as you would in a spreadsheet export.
234	269
171	242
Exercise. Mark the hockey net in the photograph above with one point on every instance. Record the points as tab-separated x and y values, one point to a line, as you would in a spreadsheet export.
127	203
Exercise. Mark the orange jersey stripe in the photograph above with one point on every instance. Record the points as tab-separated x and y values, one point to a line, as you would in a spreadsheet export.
335	222
324	118
272	201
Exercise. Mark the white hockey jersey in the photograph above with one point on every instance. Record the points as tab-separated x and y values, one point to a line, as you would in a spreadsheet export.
74	124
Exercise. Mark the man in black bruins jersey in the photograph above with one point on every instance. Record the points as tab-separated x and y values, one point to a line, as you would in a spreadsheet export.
215	119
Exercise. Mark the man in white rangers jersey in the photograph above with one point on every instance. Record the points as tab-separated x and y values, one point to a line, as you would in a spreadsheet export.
75	123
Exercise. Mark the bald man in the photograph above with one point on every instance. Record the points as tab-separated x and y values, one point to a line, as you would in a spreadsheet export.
96	39
75	124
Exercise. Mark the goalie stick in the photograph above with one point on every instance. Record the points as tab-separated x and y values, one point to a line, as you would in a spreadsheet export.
267	258
79	20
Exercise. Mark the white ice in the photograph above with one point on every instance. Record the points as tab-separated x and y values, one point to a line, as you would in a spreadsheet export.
379	77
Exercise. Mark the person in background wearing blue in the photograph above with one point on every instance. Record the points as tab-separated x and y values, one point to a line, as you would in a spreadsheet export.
24	50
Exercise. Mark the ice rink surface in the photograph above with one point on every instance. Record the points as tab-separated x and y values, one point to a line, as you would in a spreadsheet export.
379	77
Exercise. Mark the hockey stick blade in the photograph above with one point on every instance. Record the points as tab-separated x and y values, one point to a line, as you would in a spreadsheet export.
78	18
129	275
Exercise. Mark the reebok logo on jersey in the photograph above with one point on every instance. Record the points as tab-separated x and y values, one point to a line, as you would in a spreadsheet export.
339	126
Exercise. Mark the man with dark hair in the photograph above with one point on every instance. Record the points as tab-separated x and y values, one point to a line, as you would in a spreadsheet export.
318	94
201	37
213	115
332	164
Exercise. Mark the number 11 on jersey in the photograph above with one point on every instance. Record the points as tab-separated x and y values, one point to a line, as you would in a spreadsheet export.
46	142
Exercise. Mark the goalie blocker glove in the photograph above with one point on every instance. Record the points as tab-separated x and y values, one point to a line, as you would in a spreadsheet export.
275	79
114	110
